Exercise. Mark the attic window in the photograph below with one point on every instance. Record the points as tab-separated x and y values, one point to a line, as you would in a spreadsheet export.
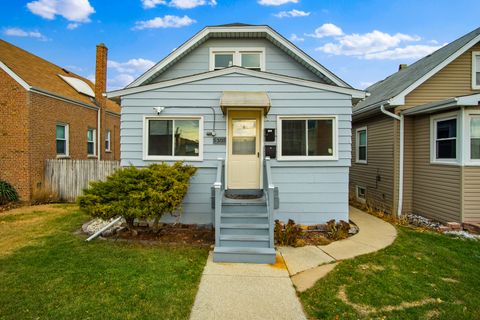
79	85
249	58
476	70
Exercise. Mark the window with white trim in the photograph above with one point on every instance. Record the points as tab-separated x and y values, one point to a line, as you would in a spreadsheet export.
361	193
62	139
444	144
476	70
474	137
108	139
361	144
173	138
91	142
311	138
250	58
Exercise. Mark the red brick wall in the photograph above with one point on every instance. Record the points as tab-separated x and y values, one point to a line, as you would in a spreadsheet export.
14	153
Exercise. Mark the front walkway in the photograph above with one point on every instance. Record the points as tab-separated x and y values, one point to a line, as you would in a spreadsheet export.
256	291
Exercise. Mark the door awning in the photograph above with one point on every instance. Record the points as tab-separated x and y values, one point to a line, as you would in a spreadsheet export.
244	99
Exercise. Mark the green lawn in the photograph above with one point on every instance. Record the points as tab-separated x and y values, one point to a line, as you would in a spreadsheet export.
423	275
48	272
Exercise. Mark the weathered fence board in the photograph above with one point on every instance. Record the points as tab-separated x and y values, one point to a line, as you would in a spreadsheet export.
68	178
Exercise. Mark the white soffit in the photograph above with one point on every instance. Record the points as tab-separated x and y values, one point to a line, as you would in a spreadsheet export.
79	85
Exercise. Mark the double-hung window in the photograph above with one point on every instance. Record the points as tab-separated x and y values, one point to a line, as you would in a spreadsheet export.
474	122
361	144
311	138
108	139
250	58
476	70
444	143
62	140
173	138
91	142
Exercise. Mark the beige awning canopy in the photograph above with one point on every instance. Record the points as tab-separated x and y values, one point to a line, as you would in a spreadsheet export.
244	99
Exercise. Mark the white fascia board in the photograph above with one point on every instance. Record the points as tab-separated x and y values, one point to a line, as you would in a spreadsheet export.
248	29
15	77
354	93
400	98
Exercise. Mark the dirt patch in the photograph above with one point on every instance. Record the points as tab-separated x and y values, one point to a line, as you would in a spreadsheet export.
432	314
450	280
23	226
372	267
365	310
171	234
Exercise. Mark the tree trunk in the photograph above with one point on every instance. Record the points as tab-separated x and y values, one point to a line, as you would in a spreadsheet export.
130	226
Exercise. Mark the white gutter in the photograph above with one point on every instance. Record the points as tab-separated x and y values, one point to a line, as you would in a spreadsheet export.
400	178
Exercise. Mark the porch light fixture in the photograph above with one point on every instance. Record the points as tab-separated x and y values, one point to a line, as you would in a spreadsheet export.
158	110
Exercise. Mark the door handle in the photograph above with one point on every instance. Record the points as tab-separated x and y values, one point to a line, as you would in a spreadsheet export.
258	154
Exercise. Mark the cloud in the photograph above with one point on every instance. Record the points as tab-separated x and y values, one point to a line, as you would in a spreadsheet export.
408	52
119	81
179	4
72	10
292	14
326	30
17	32
132	66
167	21
275	2
295	38
72	26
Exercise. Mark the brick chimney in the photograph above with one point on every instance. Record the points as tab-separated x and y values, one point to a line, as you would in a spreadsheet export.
100	89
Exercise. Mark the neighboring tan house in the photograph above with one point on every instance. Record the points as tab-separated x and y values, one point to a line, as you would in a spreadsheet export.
436	99
242	93
47	112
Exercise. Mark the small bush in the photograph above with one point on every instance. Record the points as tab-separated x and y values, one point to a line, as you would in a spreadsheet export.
134	193
7	193
337	231
288	234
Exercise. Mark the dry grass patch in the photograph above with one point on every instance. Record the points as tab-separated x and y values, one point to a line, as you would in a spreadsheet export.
26	225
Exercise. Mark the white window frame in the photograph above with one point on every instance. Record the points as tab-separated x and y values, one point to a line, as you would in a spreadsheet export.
357	145
108	138
67	140
237	55
475	67
146	156
94	154
363	200
433	138
334	155
469	115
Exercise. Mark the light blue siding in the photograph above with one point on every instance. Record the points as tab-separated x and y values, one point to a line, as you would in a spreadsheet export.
276	60
310	191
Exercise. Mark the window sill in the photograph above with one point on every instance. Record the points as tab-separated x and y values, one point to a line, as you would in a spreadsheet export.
446	163
172	159
108	151
361	162
92	157
63	157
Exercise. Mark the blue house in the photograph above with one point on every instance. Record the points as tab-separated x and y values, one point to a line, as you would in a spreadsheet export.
267	126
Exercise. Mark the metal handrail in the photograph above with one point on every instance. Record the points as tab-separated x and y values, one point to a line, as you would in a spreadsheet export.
269	190
219	187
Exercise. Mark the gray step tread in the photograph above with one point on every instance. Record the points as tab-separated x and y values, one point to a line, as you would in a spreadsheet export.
244	250
240	237
244	215
244	225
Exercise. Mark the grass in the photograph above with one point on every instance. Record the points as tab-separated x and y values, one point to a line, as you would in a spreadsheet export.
48	272
423	275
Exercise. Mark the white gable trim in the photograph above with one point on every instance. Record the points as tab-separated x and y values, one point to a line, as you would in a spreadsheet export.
399	99
15	77
203	33
359	94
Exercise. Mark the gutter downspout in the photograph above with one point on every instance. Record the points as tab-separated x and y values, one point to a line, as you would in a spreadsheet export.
99	147
400	180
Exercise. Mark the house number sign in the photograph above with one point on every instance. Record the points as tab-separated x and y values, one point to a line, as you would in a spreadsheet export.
219	140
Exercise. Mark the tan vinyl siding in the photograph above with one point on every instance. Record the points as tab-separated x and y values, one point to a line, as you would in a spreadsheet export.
379	162
471	195
452	81
436	188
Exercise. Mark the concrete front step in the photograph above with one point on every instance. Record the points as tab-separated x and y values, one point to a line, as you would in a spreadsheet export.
245	255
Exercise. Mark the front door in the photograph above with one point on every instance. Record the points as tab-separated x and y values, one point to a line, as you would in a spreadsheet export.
244	149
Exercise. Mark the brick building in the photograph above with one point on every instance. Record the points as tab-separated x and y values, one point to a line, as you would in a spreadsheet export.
48	112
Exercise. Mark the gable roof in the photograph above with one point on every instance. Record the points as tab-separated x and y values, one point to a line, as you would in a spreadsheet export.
240	30
354	93
394	88
33	72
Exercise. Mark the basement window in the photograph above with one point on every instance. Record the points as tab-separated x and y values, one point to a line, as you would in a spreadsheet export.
361	194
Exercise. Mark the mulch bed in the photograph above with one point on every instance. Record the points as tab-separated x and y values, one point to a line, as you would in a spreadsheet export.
10	206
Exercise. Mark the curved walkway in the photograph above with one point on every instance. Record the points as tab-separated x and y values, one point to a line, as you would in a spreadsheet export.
308	264
253	291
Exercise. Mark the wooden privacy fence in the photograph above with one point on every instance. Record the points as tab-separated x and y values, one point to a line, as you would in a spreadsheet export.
68	178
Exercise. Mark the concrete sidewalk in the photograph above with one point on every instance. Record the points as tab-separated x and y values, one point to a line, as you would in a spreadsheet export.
259	291
308	264
246	291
